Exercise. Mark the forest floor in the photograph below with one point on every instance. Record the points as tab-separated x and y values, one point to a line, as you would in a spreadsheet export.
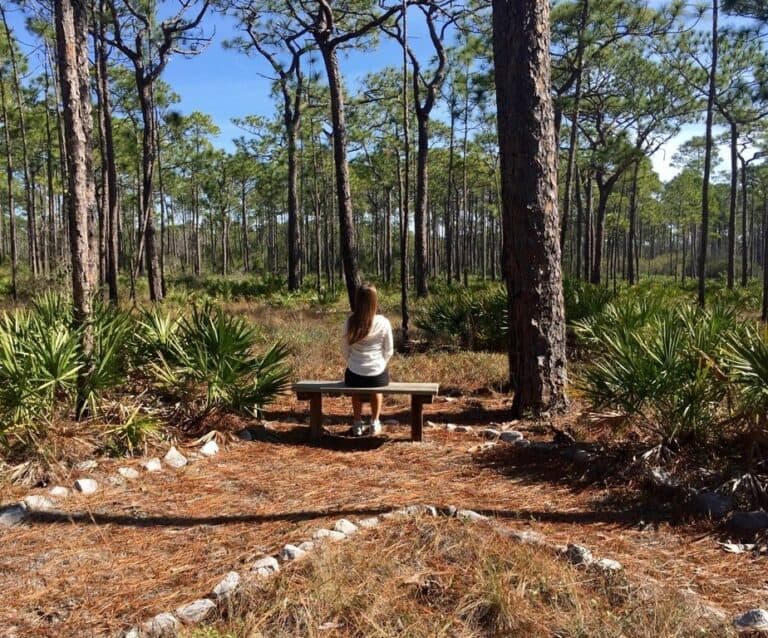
99	564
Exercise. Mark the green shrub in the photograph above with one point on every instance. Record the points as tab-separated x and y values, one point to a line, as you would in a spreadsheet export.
583	300
210	360
660	365
132	436
466	318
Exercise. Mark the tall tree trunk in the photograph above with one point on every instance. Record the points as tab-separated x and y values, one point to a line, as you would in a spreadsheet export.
31	224
734	135
72	47
9	181
449	229
343	192
574	134
708	157
744	242
294	234
420	212
631	265
529	185
148	240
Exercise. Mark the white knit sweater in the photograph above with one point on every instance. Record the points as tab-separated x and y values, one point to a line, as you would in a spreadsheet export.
369	356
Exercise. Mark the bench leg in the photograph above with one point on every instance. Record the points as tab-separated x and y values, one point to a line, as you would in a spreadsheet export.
316	416
417	418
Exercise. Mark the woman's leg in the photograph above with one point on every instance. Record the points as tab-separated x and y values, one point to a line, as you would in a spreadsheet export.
376	406
357	408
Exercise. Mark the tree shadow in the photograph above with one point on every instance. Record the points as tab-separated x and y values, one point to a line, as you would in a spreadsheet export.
620	499
618	517
334	438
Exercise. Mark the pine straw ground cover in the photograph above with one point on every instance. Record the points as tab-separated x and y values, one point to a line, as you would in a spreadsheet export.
128	552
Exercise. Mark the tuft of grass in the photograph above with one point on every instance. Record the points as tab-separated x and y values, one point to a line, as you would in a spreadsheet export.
443	577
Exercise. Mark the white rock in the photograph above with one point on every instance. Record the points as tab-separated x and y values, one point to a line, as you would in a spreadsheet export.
174	458
38	503
307	546
490	433
511	436
163	625
266	566
528	537
59	491
470	515
292	552
345	527
415	510
86	486
369	523
152	465
196	611
431	424
84	466
12	515
463	428
128	472
753	620
210	448
451	510
450	427
578	554
134	632
330	534
226	586
609	565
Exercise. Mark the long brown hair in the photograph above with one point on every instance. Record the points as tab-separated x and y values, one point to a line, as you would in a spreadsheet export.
361	319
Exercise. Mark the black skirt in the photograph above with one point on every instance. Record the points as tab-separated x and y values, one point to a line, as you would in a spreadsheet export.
359	381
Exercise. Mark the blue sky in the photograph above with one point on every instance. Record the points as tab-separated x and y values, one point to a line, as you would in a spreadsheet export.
226	84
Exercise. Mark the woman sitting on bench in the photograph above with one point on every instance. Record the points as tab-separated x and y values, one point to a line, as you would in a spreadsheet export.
367	348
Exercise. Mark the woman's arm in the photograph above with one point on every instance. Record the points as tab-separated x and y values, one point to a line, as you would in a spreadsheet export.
388	346
345	342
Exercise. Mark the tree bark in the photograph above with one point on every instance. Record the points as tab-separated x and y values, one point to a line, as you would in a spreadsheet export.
343	192
71	18
529	186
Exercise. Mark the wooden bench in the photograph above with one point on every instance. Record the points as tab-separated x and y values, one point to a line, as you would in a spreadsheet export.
313	392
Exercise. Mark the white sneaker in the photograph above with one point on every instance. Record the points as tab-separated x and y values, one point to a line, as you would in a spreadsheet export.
375	428
358	429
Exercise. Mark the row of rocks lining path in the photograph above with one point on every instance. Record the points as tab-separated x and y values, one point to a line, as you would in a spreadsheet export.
162	541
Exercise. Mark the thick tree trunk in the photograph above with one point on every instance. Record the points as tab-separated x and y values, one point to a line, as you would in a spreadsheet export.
72	48
343	192
529	186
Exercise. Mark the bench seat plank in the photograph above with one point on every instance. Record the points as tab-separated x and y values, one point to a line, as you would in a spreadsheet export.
338	387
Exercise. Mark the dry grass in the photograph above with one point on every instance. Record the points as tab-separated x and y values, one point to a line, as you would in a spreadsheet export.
428	578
